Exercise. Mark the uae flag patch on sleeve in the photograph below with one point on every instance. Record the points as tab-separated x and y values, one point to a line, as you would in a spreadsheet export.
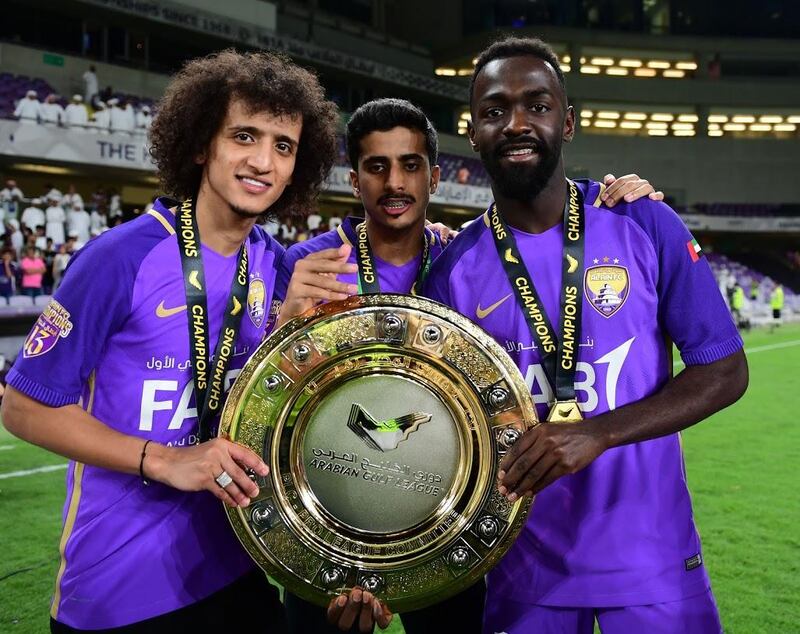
694	249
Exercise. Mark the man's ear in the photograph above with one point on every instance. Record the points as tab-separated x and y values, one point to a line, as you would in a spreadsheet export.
435	175
569	125
354	183
471	135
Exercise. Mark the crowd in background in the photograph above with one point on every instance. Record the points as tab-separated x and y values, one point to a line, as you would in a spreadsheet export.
38	234
95	111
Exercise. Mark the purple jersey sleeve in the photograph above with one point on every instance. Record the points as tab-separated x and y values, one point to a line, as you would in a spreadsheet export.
91	304
690	307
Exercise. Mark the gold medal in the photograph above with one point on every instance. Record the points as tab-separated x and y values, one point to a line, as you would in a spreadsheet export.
565	412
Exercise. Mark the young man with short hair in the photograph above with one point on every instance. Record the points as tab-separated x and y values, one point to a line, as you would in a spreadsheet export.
111	377
584	298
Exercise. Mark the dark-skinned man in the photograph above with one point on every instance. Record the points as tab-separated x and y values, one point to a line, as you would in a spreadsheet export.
393	149
584	297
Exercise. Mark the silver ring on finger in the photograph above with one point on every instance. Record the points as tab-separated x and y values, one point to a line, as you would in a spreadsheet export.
223	479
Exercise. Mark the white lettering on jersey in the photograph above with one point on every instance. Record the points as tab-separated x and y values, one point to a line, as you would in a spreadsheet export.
182	412
542	392
149	403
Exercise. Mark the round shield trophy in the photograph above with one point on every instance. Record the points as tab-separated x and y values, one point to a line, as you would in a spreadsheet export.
383	419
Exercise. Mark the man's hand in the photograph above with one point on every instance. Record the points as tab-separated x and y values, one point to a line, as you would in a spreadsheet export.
196	468
445	233
628	188
358	606
314	281
544	454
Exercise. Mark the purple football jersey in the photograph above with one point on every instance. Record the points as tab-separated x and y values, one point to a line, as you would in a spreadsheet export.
115	338
620	532
392	278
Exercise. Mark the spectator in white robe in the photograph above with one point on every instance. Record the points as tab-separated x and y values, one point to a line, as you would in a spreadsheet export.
71	197
10	200
79	223
33	216
55	219
144	119
29	109
90	85
52	112
75	114
102	118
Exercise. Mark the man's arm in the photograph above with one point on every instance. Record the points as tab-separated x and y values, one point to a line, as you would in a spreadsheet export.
73	433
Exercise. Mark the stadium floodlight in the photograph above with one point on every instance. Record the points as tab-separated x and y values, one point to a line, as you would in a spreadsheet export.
566	59
743	118
683	132
760	127
604	123
785	127
565	68
713	126
474	61
585	123
615	70
718	118
464	72
590	70
734	127
587	113
465	116
645	72
686	65
715	132
630	63
603	61
793	119
636	116
656	125
661	116
674	74
688	118
683	126
631	125
657	63
608	114
654	132
770	118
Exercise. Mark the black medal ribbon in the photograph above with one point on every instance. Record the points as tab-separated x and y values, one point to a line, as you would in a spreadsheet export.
368	271
209	377
559	359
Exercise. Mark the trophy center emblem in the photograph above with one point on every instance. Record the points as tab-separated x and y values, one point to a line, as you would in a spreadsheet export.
384	435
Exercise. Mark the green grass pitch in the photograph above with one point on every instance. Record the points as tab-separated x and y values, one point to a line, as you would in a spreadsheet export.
741	468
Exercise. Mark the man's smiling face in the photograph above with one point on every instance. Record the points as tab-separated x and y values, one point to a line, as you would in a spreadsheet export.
394	178
519	122
251	159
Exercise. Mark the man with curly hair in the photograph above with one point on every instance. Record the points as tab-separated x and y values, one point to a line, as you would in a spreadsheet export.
118	373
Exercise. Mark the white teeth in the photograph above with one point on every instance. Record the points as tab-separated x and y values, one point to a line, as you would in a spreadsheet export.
252	181
520	152
395	204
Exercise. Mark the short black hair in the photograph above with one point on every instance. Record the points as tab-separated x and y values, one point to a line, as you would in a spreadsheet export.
383	115
517	47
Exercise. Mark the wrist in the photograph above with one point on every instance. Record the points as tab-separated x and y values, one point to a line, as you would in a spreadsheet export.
156	462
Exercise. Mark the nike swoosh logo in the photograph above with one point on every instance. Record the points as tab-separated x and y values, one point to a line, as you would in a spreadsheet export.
161	311
482	313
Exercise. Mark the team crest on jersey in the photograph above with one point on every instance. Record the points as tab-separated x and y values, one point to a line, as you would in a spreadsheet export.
607	287
256	301
52	325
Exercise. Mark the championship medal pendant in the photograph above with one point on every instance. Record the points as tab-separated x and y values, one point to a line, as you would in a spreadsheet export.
565	412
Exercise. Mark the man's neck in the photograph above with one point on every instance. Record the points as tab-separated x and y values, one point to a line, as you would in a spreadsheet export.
542	212
393	246
221	230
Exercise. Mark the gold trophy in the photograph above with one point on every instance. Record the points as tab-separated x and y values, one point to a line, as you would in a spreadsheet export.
383	419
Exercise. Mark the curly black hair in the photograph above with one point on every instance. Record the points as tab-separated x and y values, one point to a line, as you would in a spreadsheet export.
196	101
